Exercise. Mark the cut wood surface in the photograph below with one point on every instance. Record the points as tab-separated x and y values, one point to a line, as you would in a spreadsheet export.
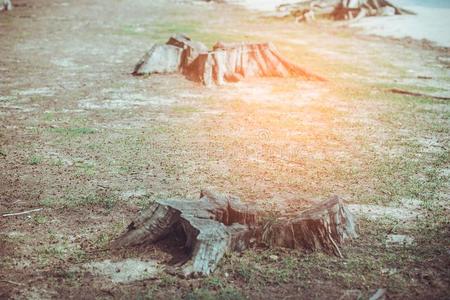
216	224
225	63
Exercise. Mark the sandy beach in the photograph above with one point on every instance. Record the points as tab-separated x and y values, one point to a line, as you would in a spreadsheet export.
431	22
90	151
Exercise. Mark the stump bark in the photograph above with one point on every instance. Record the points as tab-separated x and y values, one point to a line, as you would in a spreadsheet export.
160	59
216	224
224	63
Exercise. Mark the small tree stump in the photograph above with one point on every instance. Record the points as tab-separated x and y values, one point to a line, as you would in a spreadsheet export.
217	224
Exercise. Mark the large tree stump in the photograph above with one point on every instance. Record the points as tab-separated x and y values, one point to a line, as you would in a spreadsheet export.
235	61
225	63
217	224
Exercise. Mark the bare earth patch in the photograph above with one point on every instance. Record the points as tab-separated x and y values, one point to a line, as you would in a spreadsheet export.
92	145
125	271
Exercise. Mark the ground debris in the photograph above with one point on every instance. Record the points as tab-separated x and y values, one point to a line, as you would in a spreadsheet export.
22	212
416	94
399	239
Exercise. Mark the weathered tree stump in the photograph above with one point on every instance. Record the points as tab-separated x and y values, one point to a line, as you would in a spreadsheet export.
350	10
217	224
191	49
176	54
160	59
357	9
225	63
235	61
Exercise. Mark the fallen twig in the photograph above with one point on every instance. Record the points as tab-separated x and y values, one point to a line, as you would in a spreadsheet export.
404	92
11	282
22	212
379	294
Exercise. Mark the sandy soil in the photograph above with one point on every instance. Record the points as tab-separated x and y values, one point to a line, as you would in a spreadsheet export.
430	23
92	145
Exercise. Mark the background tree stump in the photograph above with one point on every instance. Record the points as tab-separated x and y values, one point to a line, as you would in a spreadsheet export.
225	63
217	224
351	10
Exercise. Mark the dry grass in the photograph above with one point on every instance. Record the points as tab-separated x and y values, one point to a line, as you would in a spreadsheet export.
264	140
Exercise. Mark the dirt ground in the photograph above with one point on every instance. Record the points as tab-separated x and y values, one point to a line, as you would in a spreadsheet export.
92	145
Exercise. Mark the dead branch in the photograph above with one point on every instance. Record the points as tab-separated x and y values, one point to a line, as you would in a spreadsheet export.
22	213
415	94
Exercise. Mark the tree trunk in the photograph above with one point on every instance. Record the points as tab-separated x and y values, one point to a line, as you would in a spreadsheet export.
217	224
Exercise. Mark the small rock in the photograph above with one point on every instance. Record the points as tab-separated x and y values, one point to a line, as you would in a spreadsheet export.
195	284
389	271
399	239
133	194
273	257
184	284
379	295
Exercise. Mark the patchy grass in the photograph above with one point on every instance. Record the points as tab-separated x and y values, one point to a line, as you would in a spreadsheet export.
348	136
62	251
185	109
35	160
73	132
73	200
